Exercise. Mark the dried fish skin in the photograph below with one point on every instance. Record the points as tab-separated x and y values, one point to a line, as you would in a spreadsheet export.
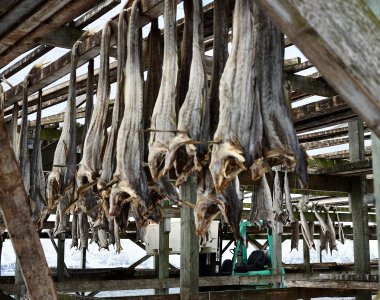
132	185
93	147
288	199
295	235
208	205
325	232
164	118
56	185
308	238
277	196
262	209
280	143
233	208
193	117
229	156
332	237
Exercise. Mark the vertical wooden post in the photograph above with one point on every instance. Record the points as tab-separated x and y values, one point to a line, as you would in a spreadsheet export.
306	257
83	257
277	251
61	257
163	255
358	209
189	278
376	183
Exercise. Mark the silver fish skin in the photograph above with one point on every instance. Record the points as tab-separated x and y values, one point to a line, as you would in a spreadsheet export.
193	117
132	185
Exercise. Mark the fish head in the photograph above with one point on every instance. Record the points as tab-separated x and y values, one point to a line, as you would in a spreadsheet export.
121	193
206	209
227	161
54	188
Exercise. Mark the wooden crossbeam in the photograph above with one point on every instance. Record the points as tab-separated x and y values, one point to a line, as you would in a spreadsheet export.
52	16
333	35
328	143
344	154
308	85
322	113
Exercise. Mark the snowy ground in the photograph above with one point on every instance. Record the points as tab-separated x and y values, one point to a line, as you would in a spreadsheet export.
131	253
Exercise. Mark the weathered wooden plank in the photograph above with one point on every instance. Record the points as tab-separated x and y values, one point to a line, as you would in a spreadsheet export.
87	50
316	136
15	207
333	34
31	22
324	112
189	280
56	15
12	12
313	86
358	208
94	13
298	67
346	168
64	37
343	154
25	61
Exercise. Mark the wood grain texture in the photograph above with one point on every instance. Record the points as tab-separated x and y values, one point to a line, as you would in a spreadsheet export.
333	35
15	207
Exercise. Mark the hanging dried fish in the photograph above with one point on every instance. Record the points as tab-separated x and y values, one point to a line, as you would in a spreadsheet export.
15	136
132	185
23	158
83	230
220	55
61	180
288	199
325	230
236	101
295	235
109	159
37	179
262	209
55	183
279	215
280	145
306	233
185	153
340	228
163	122
74	232
91	162
330	224
208	205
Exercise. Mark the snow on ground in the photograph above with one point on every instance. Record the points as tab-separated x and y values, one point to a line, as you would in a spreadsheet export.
131	253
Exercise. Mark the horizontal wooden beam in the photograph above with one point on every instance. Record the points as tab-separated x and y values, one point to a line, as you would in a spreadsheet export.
347	169
344	154
321	114
94	13
53	15
25	61
63	37
313	86
298	67
333	35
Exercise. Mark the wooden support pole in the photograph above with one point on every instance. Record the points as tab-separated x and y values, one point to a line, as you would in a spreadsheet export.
163	255
14	204
83	253
61	257
189	277
306	257
359	210
277	251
